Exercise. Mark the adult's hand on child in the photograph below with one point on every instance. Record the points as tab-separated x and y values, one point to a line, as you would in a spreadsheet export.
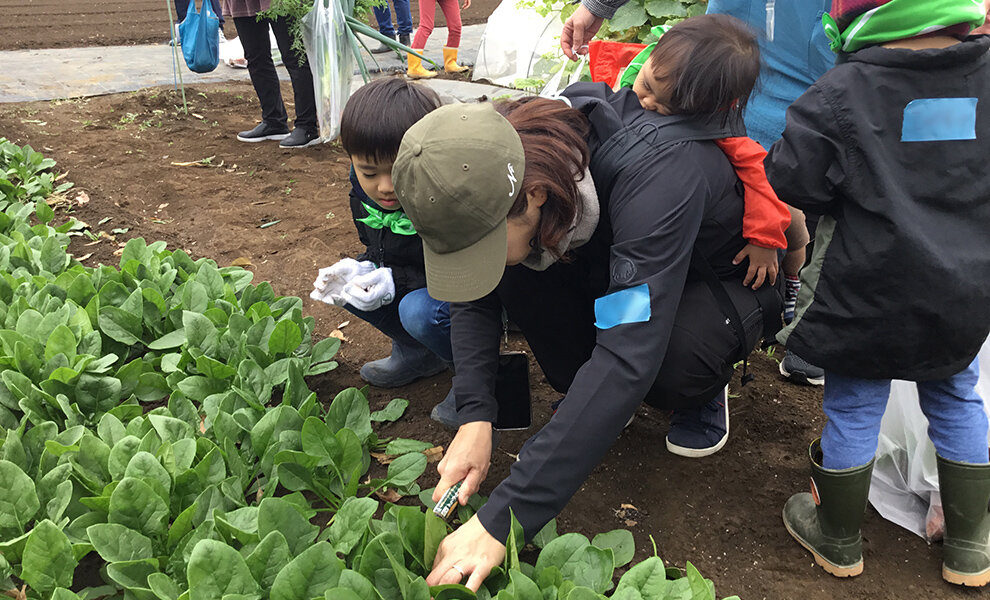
466	5
370	291
467	459
578	31
763	265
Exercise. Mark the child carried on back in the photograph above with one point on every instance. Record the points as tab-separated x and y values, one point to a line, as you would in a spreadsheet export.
386	284
658	77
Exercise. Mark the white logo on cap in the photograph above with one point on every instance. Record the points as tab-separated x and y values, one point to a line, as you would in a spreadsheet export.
512	179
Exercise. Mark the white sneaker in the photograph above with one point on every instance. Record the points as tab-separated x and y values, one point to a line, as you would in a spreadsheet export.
223	40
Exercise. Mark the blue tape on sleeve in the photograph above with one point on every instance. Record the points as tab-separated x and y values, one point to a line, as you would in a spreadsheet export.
939	120
631	305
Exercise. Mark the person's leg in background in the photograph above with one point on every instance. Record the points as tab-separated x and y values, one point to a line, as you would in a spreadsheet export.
414	68
264	78
306	132
181	8
215	4
828	521
957	426
801	236
452	13
384	17
403	18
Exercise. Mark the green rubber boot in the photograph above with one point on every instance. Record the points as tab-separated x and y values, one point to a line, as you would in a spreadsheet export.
827	521
965	492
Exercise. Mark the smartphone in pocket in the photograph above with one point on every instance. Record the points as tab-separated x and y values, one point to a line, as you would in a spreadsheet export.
512	392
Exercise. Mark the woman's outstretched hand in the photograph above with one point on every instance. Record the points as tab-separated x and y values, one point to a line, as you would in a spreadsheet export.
470	552
467	460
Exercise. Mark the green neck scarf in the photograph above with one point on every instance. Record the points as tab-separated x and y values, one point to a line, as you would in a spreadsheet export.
629	75
901	19
397	221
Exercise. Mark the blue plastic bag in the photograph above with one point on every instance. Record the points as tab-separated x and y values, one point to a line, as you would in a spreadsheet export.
200	37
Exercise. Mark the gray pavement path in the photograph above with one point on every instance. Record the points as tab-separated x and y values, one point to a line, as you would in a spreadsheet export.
74	72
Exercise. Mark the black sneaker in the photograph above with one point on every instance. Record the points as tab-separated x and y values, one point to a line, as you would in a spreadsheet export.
700	432
263	132
798	370
300	138
381	48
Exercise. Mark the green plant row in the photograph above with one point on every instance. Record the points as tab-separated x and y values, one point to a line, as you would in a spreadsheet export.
156	430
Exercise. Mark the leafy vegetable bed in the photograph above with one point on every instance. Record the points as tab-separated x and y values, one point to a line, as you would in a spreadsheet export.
155	423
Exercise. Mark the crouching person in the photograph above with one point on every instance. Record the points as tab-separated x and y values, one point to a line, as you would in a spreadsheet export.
386	284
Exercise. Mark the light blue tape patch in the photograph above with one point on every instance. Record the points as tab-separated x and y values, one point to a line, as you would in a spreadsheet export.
939	120
631	305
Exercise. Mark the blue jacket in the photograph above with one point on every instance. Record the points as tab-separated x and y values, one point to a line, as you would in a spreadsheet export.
795	59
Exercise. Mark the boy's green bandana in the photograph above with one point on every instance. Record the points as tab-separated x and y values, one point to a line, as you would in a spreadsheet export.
901	19
397	221
636	65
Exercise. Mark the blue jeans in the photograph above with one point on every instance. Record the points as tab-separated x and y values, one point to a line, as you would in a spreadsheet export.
957	424
413	318
402	16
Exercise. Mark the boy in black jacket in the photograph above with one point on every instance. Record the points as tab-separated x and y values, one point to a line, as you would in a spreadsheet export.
891	147
386	284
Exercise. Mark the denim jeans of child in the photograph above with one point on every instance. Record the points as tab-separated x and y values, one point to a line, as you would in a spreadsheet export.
403	17
957	423
414	317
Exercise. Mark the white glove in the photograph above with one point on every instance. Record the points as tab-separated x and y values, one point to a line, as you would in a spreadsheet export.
370	291
338	274
331	280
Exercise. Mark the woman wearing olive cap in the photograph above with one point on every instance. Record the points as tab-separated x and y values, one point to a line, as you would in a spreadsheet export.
599	280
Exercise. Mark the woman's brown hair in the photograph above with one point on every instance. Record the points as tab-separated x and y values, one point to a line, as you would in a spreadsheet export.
553	138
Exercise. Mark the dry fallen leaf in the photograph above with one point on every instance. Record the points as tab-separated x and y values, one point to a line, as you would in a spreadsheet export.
241	261
202	424
433	454
388	495
16	594
628	506
336	333
164	205
631	523
118	252
84	257
344	324
82	198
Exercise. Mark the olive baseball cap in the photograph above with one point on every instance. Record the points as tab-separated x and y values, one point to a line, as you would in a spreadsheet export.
457	174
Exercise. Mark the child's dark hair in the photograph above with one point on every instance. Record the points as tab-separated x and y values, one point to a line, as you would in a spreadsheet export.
379	114
708	64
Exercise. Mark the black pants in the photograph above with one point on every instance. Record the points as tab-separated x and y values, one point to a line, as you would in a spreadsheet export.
182	7
555	310
257	50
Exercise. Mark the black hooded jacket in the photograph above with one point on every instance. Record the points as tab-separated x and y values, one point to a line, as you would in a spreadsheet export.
661	208
892	148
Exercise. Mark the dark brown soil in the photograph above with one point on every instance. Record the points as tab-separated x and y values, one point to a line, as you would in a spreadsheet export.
74	23
721	513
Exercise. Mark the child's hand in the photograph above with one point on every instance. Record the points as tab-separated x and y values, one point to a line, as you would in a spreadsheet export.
370	291
762	264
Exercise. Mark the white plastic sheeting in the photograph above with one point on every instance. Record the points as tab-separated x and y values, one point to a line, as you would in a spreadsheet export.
905	480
